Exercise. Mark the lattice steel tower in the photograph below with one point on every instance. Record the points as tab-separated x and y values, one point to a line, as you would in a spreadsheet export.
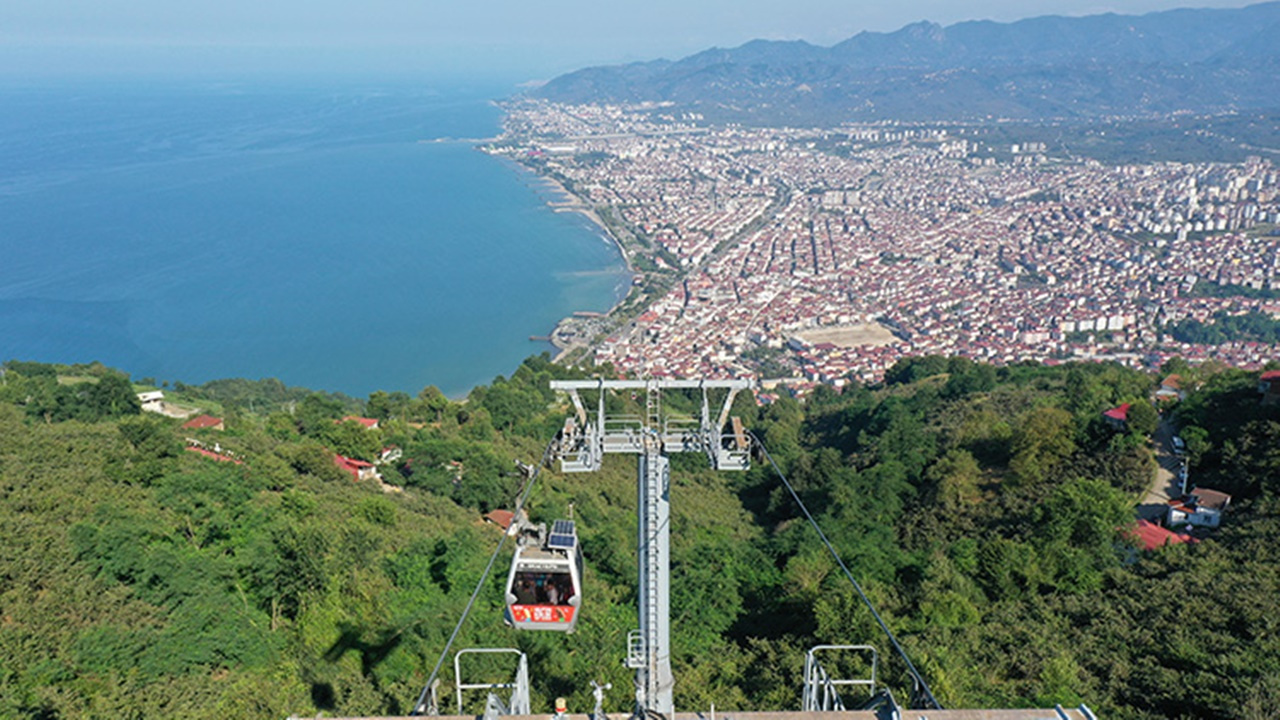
651	436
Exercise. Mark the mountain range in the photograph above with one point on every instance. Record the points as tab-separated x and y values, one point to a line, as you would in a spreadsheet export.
1196	60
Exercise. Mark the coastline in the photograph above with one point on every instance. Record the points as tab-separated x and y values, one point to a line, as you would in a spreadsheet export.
575	204
572	203
578	205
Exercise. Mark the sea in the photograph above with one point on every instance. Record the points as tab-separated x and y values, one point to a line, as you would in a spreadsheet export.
343	236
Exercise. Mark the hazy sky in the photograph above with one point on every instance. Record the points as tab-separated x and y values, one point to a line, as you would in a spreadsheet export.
505	39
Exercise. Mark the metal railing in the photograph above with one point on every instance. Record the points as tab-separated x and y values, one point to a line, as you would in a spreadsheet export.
821	690
518	704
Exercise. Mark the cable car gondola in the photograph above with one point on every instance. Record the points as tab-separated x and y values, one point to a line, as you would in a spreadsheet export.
544	587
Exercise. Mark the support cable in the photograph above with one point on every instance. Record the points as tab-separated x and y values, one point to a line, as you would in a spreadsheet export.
911	668
419	708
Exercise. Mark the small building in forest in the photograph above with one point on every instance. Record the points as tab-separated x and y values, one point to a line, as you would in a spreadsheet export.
1269	387
152	401
1117	417
1201	507
1150	536
204	422
359	469
1171	388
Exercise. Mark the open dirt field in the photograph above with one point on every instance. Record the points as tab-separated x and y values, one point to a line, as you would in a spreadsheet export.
849	336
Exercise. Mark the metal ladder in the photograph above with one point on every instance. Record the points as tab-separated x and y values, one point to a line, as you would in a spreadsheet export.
653	560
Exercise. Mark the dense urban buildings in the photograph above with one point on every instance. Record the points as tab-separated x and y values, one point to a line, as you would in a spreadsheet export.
828	254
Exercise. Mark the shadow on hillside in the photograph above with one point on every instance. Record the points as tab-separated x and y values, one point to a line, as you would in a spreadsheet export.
371	653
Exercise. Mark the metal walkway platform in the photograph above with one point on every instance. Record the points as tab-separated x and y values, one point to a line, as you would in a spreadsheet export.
1081	713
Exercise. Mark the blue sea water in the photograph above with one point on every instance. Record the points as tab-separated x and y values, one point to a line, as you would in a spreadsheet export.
198	231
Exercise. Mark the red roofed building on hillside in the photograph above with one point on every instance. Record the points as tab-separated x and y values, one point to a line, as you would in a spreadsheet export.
1150	536
1171	389
1201	507
369	423
501	518
359	469
204	422
213	455
1118	416
1269	386
214	451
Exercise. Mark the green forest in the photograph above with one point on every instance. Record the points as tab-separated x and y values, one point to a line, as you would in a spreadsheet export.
1249	327
983	509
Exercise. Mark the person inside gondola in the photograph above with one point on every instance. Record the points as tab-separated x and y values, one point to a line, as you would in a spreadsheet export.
524	592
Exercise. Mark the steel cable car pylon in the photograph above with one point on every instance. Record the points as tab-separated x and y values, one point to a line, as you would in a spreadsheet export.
582	445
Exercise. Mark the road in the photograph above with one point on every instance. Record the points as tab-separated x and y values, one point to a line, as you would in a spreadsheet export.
1165	485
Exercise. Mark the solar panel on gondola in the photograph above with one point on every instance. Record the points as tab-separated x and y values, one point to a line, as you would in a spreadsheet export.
563	535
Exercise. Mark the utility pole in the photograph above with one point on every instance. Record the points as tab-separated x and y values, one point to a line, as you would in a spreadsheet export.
651	437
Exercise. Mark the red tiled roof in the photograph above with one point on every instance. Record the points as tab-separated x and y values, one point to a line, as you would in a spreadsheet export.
1210	499
1271	375
351	465
204	421
501	518
367	422
213	455
1119	413
351	462
1153	537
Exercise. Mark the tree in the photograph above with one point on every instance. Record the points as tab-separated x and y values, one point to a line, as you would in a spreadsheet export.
1176	365
433	402
1197	441
151	437
956	476
317	412
1142	418
112	396
911	369
1040	442
352	439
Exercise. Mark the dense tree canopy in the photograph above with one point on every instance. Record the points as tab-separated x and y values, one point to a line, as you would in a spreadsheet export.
983	509
1224	327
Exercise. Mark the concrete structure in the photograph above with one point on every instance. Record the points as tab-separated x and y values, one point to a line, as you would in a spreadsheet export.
152	401
1201	507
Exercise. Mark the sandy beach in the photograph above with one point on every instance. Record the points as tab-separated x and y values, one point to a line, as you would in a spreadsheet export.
573	203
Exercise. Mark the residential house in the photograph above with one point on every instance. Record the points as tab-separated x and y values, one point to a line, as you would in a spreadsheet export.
359	469
214	451
152	401
213	455
1269	387
1171	388
1117	417
1150	536
204	422
1202	507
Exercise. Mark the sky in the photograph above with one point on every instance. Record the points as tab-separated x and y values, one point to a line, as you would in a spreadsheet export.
508	40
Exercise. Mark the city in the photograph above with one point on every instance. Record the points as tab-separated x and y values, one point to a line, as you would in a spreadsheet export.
835	252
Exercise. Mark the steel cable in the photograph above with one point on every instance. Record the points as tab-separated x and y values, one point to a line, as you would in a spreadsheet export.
419	707
911	668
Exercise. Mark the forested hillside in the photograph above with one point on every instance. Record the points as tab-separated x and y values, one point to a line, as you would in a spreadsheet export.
984	509
1189	60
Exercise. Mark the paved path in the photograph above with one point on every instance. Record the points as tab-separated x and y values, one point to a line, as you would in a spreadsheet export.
1165	485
